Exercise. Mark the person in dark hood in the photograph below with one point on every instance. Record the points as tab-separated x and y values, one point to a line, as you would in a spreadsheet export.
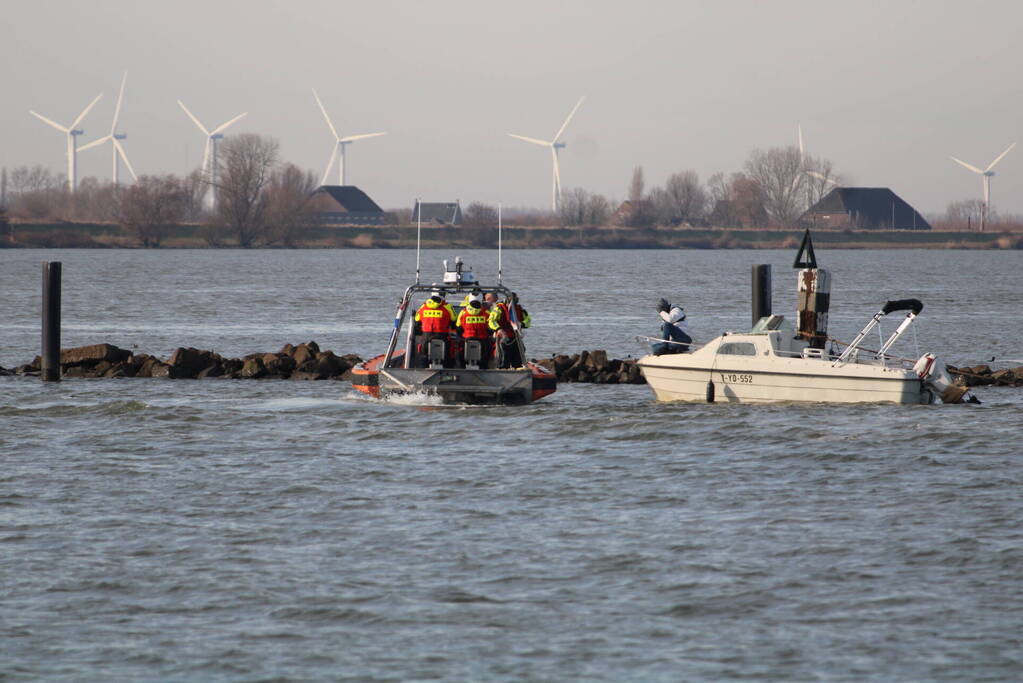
674	329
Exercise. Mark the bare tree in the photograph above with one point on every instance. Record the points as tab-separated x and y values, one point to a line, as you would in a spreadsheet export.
288	194
598	209
748	201
638	211
247	162
965	215
194	188
717	187
35	192
148	209
94	200
637	185
480	215
682	200
779	173
579	207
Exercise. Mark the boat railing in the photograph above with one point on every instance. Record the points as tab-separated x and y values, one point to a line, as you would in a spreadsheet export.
643	340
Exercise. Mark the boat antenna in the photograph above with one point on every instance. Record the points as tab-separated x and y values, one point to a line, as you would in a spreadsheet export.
419	230
499	243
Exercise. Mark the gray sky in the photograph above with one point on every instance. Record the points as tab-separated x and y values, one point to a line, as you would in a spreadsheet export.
885	90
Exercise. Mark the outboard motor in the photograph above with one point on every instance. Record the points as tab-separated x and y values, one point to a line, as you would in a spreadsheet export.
937	379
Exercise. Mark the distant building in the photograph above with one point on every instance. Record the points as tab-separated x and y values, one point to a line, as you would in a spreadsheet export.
346	205
867	208
438	213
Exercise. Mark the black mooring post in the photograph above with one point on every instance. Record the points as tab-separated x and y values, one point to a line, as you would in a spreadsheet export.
761	292
50	364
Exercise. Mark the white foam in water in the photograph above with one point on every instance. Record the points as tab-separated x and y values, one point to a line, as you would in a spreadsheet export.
416	398
297	403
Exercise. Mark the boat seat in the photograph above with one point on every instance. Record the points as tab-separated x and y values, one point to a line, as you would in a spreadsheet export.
436	352
473	353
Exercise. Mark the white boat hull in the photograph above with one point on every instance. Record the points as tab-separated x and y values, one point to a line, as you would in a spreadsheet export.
738	384
769	368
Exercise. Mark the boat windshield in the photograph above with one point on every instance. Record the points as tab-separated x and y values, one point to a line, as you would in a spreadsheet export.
770	323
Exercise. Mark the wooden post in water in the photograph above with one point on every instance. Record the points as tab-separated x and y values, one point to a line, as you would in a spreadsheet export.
761	291
50	363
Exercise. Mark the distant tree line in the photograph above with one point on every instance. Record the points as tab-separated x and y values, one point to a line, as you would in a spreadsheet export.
264	201
261	201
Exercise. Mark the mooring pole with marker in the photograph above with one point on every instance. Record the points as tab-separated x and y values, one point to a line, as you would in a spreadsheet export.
50	356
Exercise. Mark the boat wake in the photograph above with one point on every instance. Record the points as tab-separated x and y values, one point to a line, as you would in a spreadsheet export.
413	398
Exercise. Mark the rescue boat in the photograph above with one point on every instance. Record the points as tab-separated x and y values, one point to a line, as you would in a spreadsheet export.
458	371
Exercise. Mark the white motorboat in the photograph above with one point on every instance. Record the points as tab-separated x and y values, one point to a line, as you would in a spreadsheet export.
773	363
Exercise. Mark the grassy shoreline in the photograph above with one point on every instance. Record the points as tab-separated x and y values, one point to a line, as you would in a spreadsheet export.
106	236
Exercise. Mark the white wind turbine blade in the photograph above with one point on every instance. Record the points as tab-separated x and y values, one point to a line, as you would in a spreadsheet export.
124	157
86	111
192	116
802	152
353	138
330	164
969	166
326	116
95	143
821	176
570	115
999	158
223	126
987	190
120	98
542	143
47	121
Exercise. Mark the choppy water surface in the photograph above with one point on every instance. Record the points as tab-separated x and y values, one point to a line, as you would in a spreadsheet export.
247	530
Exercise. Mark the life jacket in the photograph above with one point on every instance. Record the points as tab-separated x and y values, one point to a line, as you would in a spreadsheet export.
522	315
473	322
434	317
499	319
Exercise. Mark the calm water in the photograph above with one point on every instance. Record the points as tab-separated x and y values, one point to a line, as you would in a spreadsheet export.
245	530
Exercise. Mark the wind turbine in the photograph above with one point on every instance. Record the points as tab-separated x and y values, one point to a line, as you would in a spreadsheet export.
339	144
209	155
116	148
554	144
72	133
986	175
802	162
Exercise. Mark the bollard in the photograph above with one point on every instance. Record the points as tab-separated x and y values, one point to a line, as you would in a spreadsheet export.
50	363
761	292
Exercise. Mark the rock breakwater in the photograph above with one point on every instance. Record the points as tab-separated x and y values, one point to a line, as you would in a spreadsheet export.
307	362
983	376
593	367
304	361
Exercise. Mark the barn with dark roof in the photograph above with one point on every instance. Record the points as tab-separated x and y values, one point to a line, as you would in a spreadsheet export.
867	208
346	205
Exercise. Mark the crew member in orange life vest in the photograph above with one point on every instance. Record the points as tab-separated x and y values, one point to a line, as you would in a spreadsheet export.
472	323
436	319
